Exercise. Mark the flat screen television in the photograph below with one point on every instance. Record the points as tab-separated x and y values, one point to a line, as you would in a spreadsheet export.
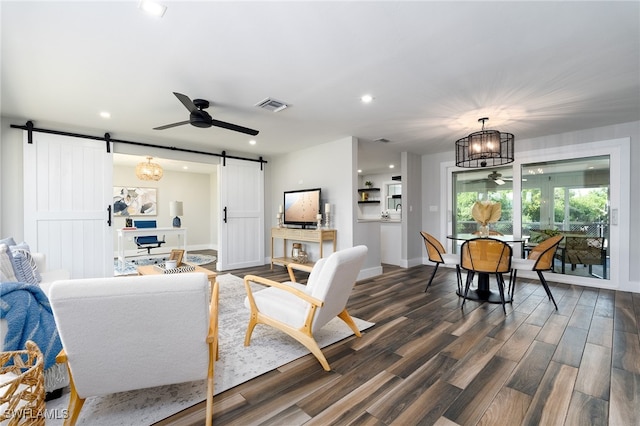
301	207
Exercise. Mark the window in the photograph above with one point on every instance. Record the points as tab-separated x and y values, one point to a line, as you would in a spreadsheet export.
481	185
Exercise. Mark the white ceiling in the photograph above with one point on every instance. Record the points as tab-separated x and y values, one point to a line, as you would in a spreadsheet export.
434	68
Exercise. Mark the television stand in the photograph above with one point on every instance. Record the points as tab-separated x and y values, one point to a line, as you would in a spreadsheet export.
300	234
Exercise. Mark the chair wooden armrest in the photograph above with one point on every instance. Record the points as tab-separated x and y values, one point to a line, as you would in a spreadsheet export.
265	281
298	266
212	336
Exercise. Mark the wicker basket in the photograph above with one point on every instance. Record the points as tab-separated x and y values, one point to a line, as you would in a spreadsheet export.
22	386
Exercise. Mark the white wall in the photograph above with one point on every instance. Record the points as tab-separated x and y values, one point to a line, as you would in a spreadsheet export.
435	185
196	194
308	168
332	167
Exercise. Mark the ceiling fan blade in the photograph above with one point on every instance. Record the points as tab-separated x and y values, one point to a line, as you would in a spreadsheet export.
188	103
234	127
168	126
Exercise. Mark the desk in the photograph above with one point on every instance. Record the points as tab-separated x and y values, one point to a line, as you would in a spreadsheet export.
140	232
483	292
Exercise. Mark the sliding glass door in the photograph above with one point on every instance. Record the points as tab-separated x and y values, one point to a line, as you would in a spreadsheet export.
570	197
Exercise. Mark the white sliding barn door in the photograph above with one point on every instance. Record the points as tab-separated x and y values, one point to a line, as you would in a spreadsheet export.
241	230
67	191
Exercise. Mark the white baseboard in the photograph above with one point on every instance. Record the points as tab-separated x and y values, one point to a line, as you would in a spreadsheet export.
370	272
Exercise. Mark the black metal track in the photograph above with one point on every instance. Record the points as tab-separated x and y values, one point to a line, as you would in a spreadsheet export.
107	137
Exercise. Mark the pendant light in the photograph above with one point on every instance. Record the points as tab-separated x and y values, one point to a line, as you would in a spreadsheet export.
149	170
484	148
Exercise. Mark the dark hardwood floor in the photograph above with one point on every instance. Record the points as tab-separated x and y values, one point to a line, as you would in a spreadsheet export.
426	361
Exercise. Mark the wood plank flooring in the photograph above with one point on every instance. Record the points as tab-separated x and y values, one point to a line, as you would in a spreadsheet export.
427	361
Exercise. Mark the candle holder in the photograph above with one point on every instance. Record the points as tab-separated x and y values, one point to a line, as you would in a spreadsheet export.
319	219
327	220
279	217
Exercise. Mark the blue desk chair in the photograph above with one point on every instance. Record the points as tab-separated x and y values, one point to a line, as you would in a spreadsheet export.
148	241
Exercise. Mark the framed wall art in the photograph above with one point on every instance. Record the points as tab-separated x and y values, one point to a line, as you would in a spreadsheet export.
130	201
177	255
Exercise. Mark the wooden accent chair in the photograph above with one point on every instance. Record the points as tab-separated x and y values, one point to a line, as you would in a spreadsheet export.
300	310
540	259
125	333
486	256
438	255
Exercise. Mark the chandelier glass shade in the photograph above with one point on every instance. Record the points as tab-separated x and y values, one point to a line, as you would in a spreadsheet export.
486	148
149	170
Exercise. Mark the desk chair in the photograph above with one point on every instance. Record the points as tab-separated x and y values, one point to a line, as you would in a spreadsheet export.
148	241
438	255
486	256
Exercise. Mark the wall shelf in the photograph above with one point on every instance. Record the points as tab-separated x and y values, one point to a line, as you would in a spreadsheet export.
368	189
369	202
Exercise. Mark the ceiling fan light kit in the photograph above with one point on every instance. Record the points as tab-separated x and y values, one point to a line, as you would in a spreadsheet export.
486	148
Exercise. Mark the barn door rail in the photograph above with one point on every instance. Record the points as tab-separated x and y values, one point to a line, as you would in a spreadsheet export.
30	128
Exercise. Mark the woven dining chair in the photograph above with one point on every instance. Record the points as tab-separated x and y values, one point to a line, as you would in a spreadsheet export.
438	255
486	256
540	259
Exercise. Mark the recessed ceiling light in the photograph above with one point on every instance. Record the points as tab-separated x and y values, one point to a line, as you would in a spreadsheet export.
252	142
105	114
185	167
391	166
359	170
152	8
366	98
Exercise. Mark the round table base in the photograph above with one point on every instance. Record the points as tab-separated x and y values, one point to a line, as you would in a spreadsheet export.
485	296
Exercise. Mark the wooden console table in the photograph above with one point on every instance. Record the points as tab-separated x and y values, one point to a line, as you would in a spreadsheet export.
308	235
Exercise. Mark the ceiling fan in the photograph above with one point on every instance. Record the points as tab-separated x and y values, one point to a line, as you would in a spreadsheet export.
494	177
200	118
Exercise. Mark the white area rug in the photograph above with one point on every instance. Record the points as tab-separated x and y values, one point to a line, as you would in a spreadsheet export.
269	350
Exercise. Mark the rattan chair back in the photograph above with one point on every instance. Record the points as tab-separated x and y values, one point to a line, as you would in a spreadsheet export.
435	249
544	253
486	255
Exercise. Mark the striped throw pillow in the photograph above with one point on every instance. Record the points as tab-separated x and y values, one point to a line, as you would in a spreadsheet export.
7	273
25	267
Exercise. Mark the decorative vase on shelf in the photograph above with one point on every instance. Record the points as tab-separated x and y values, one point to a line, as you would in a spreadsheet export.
483	230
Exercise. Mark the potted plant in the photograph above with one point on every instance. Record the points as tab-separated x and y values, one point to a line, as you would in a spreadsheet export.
368	184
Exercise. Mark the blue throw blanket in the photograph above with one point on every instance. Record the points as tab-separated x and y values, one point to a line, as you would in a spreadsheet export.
29	317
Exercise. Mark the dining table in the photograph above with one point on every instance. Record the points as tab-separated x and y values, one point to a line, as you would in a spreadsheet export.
483	292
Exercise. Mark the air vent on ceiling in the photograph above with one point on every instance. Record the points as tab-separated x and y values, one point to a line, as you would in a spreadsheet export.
272	105
382	140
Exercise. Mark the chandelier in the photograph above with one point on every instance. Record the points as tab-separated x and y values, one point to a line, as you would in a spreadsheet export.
149	170
484	148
